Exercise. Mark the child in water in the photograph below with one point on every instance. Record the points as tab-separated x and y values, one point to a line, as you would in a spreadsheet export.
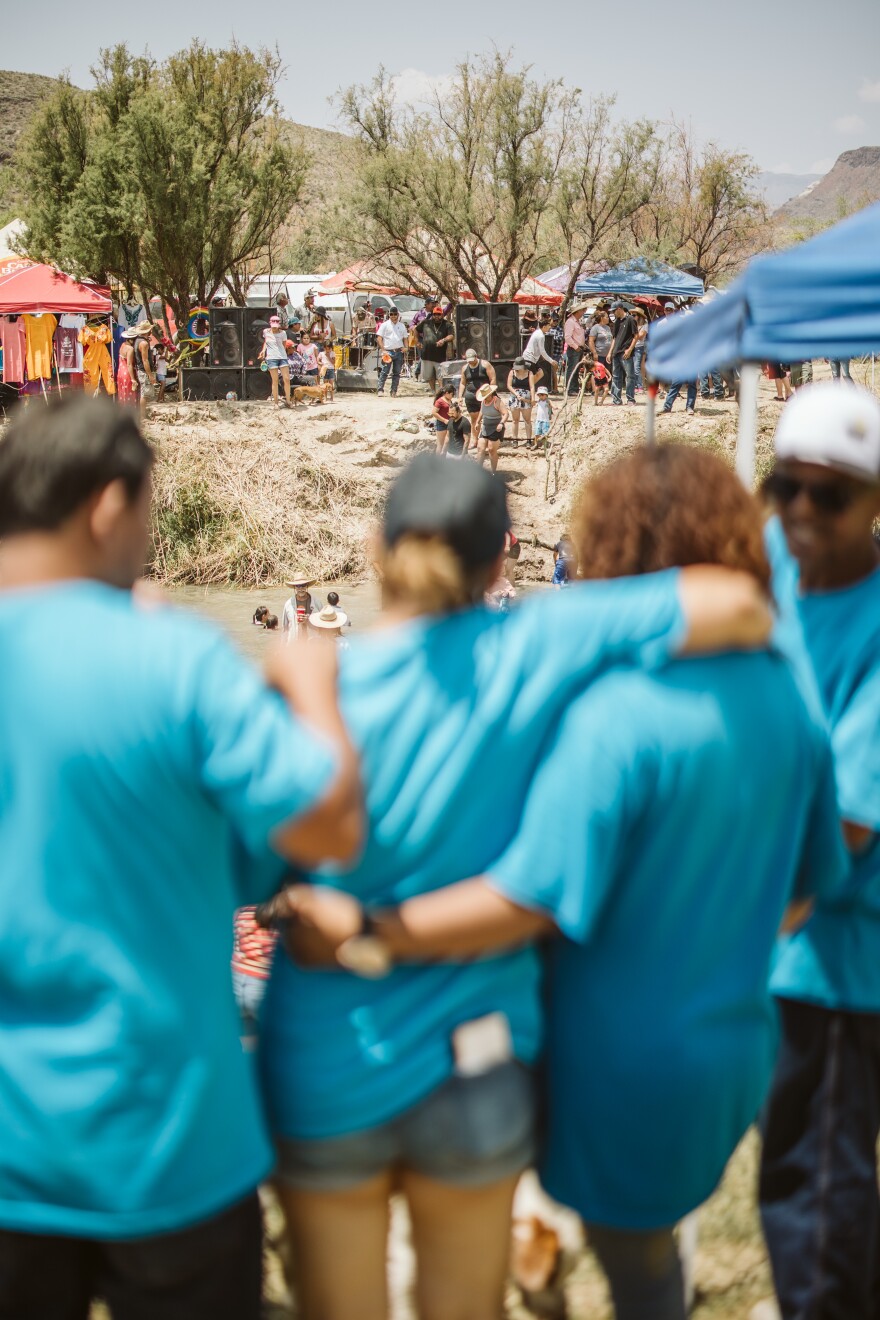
259	615
565	562
271	622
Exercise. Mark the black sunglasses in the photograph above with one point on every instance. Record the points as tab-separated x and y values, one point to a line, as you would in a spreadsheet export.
825	496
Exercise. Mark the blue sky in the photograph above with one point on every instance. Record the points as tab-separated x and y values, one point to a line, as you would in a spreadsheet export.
792	83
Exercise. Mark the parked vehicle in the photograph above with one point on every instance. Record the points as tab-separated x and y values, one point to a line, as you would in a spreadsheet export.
342	307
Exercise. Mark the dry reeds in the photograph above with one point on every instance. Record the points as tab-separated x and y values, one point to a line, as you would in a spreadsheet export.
247	504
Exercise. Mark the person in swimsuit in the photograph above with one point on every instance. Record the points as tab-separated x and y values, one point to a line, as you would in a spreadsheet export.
521	383
494	413
475	374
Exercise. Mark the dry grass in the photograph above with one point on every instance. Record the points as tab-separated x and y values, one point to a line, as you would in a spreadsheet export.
247	504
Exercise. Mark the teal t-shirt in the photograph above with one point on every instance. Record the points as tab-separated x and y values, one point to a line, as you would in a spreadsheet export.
449	716
674	816
835	959
141	761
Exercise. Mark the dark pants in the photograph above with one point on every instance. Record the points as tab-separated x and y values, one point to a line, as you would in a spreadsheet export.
212	1271
818	1187
395	366
674	391
644	1272
623	376
573	358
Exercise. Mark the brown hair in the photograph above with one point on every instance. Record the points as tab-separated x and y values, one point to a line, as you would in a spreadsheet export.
425	574
667	507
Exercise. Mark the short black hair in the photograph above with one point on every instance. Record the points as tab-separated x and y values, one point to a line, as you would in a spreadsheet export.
53	459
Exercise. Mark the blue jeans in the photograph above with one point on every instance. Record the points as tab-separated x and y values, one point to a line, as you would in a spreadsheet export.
818	1187
623	375
395	366
675	390
638	361
644	1272
840	367
573	358
718	382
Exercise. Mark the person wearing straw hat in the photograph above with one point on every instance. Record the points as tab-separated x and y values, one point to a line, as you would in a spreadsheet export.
818	1184
493	413
145	363
126	370
299	606
329	622
575	342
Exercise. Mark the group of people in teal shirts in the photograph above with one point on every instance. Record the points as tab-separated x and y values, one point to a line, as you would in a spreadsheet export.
541	863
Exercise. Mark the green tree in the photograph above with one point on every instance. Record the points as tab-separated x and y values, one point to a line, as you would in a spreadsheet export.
170	178
703	211
452	197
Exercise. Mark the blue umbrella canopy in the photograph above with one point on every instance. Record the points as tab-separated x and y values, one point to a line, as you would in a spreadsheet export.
642	275
819	299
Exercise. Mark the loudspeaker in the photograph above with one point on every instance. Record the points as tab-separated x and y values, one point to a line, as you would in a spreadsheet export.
254	321
472	329
201	384
504	341
257	384
227	346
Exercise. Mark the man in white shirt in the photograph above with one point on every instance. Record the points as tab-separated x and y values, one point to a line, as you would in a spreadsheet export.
575	339
536	355
393	336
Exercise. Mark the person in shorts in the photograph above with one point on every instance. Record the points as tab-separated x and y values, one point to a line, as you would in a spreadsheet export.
435	335
543	414
274	354
440	413
494	414
327	369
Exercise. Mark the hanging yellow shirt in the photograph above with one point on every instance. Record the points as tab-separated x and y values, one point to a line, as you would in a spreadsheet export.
38	332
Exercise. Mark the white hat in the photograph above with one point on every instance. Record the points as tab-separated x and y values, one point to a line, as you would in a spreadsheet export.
328	618
542	389
835	425
470	353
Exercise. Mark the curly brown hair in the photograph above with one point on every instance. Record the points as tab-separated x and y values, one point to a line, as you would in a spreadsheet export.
666	507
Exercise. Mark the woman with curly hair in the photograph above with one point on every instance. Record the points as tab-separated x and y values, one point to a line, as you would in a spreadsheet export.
676	814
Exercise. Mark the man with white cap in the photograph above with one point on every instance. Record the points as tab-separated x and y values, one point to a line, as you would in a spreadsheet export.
818	1192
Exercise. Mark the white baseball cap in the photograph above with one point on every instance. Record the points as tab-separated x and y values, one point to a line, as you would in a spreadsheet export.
835	425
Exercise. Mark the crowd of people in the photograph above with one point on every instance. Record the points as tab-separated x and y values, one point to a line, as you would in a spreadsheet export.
570	831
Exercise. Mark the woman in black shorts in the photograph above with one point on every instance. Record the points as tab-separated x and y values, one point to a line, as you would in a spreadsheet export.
475	374
493	414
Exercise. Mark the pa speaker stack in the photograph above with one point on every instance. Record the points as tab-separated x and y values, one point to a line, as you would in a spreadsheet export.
492	331
234	344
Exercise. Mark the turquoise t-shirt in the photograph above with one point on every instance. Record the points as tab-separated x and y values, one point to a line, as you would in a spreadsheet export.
835	959
674	816
449	715
140	760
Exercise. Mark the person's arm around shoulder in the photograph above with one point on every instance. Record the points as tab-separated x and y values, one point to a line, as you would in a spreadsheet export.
723	608
305	674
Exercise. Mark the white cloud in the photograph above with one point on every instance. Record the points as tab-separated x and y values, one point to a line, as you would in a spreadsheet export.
849	124
415	87
821	166
869	91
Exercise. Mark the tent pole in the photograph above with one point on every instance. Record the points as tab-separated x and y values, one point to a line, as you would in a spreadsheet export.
651	414
749	376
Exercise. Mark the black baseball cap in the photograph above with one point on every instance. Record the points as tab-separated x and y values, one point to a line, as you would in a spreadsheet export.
461	503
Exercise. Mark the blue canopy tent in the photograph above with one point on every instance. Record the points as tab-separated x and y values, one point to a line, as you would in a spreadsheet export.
642	275
820	299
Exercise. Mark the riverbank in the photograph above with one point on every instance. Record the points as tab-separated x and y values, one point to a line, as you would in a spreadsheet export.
248	495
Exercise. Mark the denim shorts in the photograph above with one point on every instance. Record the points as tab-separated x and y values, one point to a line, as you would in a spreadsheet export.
471	1132
275	364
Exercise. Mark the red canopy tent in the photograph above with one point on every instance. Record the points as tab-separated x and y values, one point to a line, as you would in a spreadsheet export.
532	293
360	277
36	288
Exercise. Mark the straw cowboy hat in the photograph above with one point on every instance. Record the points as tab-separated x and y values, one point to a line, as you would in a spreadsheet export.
301	580
486	391
142	328
328	618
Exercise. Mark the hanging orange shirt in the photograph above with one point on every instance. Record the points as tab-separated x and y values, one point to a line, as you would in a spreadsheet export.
39	331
